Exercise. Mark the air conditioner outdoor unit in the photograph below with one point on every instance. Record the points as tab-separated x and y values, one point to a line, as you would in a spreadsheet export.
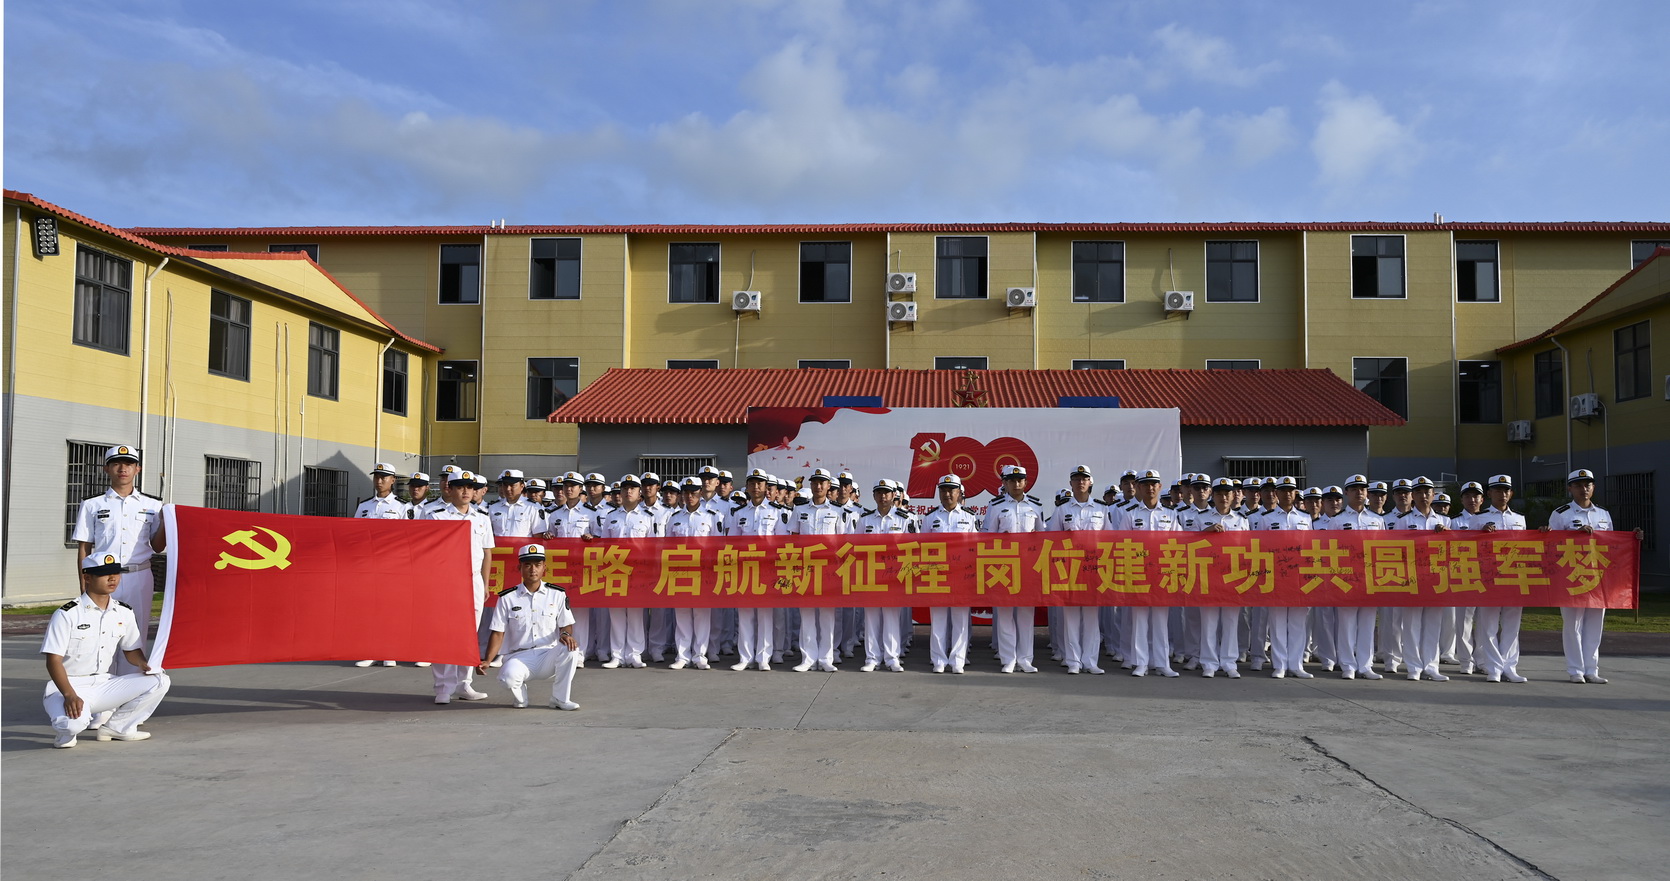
901	282
1021	298
901	311
1180	301
1585	406
745	301
1519	431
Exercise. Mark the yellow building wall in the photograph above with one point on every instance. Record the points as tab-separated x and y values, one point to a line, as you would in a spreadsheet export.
965	328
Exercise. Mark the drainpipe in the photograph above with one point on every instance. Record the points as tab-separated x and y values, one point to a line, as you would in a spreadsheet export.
1565	378
377	407
145	363
11	382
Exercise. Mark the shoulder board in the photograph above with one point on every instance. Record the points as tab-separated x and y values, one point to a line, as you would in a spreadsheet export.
867	511
124	605
1563	508
739	506
508	590
588	506
148	496
1034	500
70	605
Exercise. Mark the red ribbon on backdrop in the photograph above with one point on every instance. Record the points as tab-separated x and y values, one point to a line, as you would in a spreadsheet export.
1321	568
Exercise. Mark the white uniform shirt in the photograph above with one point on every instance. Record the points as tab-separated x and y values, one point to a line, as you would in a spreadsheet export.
88	637
1192	519
120	526
1008	514
662	513
636	523
693	524
1416	520
1570	516
894	521
1277	519
1349	519
1141	518
813	519
531	620
1074	516
383	508
1511	519
762	519
481	537
955	519
521	520
567	522
1232	521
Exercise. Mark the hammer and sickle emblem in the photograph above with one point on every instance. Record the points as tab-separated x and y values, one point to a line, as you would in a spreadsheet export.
266	557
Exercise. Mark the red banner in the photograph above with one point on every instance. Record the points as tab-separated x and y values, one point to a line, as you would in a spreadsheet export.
1323	568
265	588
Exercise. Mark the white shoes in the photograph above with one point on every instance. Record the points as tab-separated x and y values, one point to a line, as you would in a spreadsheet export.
1026	667
1009	667
1578	679
869	667
364	663
470	694
701	664
1169	673
426	663
563	705
1513	676
1136	671
65	740
1370	674
1098	671
1192	665
1596	678
896	667
497	662
803	666
1207	672
956	668
611	664
1301	674
1233	673
1438	677
677	665
939	668
1278	673
636	663
764	667
740	666
1347	673
1073	670
389	664
826	666
107	733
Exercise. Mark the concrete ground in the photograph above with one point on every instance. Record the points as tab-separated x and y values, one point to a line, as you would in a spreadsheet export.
327	770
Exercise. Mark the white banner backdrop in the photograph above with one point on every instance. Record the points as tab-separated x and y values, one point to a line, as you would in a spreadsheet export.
919	446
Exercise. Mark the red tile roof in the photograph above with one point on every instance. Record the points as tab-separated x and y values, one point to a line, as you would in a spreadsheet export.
205	257
295	233
1657	255
1205	397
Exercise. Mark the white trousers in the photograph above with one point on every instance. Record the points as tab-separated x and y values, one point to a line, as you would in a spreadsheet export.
692	628
1258	634
1109	619
753	636
137	590
785	631
1457	638
658	635
1220	637
555	663
582	631
1391	636
1422	629
881	635
1289	634
849	623
817	635
1580	631
1150	638
133	698
1324	625
1012	631
1354	638
1190	644
1496	638
626	635
450	677
1081	636
948	636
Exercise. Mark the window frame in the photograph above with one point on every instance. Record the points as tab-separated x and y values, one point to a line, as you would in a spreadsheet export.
1351	253
251	478
1072	272
84	478
405	382
1643	366
312	251
106	294
1495	262
311	491
800	275
718	274
1657	243
1501	369
846	364
1258	269
556	274
985	359
690	363
1077	361
334	355
440	273
1404	412
529	397
1257	363
985	274
248	333
1557	384
475	381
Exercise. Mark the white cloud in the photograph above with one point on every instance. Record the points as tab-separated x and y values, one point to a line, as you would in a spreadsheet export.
1257	138
1357	137
1206	58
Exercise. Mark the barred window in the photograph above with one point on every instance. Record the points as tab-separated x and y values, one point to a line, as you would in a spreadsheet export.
1266	466
324	492
673	466
231	484
84	480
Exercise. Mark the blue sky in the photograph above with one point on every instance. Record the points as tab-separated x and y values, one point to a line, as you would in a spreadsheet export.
420	112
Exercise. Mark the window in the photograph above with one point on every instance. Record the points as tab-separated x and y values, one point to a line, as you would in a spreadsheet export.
693	364
394	382
693	273
826	272
1231	272
1377	266
324	492
959	362
455	391
103	290
1225	364
1098	363
84	480
672	467
1266	466
1641	252
1476	277
825	364
231	484
960	267
208	248
1384	379
1630	500
1098	272
551	381
1481	391
323	355
1548	372
460	274
554	271
312	251
228	335
1632	356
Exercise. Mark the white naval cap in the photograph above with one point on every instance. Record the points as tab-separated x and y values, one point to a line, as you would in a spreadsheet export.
418	479
384	469
1333	492
571	477
1424	482
1082	471
597	478
1501	480
1149	476
725	475
951	480
759	474
106	564
1472	486
121	453
1356	480
1579	476
1226	484
1287	482
530	552
691	484
536	485
1379	486
1013	471
821	474
511	475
